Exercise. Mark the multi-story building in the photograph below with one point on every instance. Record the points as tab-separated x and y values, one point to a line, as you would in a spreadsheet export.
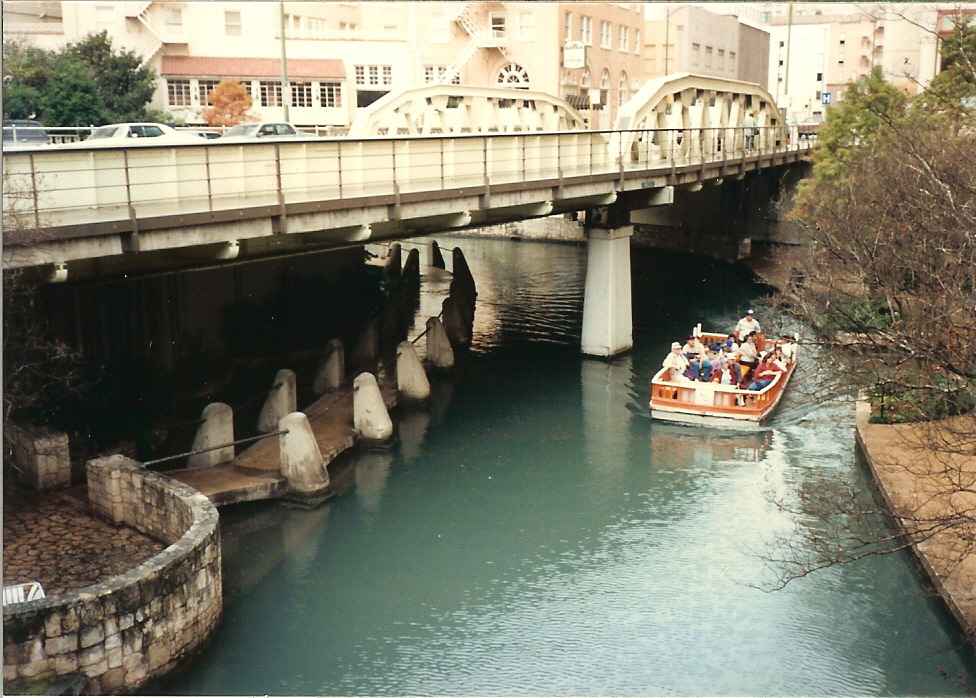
342	56
686	38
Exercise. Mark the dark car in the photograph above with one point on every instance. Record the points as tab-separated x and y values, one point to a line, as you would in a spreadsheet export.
24	132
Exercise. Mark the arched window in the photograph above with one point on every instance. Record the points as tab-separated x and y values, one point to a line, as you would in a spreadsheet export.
623	89
513	75
605	80
585	80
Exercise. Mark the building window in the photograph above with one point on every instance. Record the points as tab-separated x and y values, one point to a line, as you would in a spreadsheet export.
330	94
568	27
497	25
781	63
526	26
695	54
819	77
367	75
782	44
270	93
606	39
623	90
316	27
174	18
206	87
301	94
843	43
178	93
605	80
624	38
637	45
721	59
513	75
731	60
586	30
708	56
232	23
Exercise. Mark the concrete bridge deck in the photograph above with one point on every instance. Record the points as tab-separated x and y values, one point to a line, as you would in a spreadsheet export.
255	475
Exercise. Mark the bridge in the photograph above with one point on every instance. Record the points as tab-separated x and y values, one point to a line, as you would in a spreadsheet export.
436	159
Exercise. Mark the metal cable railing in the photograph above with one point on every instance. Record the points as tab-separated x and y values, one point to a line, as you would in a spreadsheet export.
198	451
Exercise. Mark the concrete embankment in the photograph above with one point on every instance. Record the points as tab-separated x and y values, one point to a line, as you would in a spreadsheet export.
922	487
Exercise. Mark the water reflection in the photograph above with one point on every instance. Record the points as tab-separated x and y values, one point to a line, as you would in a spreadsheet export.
701	445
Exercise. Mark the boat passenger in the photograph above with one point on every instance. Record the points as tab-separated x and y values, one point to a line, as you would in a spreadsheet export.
767	371
747	325
788	346
748	357
677	362
700	368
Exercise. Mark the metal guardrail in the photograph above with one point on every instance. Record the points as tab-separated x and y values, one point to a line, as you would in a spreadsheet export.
114	183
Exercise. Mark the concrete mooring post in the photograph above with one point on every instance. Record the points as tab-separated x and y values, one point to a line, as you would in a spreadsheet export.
455	324
462	283
367	347
371	419
217	428
411	268
440	354
434	258
281	400
333	369
412	382
394	262
302	464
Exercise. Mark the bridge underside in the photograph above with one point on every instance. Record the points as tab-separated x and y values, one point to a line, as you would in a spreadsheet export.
256	232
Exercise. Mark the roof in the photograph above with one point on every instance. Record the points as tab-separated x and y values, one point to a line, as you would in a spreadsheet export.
203	66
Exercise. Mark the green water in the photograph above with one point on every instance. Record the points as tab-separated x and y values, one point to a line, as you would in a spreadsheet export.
534	533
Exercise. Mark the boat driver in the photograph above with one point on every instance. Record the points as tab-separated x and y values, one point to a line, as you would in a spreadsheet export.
747	325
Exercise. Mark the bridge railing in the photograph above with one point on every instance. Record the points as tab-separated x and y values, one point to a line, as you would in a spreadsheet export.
76	185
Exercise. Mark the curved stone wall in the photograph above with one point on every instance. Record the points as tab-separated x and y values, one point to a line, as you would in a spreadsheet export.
134	626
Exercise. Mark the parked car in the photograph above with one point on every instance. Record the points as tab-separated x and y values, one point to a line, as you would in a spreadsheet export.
267	129
114	135
206	135
23	133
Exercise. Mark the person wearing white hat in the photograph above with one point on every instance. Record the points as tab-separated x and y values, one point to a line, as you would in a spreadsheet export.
747	325
677	362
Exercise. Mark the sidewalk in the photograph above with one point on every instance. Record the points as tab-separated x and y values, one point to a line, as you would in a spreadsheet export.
917	484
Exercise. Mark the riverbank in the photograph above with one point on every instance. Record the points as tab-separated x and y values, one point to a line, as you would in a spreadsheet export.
921	487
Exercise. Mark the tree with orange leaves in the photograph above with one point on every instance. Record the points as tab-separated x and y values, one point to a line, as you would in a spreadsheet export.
231	103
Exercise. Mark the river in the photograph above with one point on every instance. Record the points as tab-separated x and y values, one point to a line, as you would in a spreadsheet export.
534	533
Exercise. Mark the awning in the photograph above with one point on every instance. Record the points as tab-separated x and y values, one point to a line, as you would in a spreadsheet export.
206	67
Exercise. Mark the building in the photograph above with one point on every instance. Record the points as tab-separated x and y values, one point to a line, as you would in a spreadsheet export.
342	56
690	39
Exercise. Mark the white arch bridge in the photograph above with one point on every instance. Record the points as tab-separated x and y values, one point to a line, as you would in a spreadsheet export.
430	160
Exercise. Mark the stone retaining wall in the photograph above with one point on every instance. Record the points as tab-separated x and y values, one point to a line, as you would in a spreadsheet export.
138	625
40	456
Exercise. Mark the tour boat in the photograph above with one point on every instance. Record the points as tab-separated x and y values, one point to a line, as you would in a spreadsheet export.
713	404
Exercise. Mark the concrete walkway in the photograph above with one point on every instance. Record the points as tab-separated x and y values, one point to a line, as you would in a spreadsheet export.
254	474
918	484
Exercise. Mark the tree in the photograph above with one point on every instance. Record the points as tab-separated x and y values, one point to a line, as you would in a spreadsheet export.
231	104
70	97
888	286
124	86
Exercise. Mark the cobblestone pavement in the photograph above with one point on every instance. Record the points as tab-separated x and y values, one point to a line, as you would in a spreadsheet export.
52	539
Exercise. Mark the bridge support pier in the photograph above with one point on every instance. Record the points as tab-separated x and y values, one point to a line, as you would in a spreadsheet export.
608	327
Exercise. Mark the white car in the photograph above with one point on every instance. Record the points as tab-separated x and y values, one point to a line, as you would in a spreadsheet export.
114	135
272	130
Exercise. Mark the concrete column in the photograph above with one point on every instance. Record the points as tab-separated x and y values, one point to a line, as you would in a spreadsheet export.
394	262
412	382
281	400
302	464
434	257
333	370
217	428
411	268
367	347
370	417
440	354
455	324
607	321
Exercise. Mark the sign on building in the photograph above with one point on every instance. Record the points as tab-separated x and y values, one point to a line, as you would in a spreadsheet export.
825	98
574	55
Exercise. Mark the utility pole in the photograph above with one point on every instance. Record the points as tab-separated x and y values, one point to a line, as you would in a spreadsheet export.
667	39
285	91
789	34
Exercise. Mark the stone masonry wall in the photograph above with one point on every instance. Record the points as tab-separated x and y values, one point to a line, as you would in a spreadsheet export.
138	625
40	456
